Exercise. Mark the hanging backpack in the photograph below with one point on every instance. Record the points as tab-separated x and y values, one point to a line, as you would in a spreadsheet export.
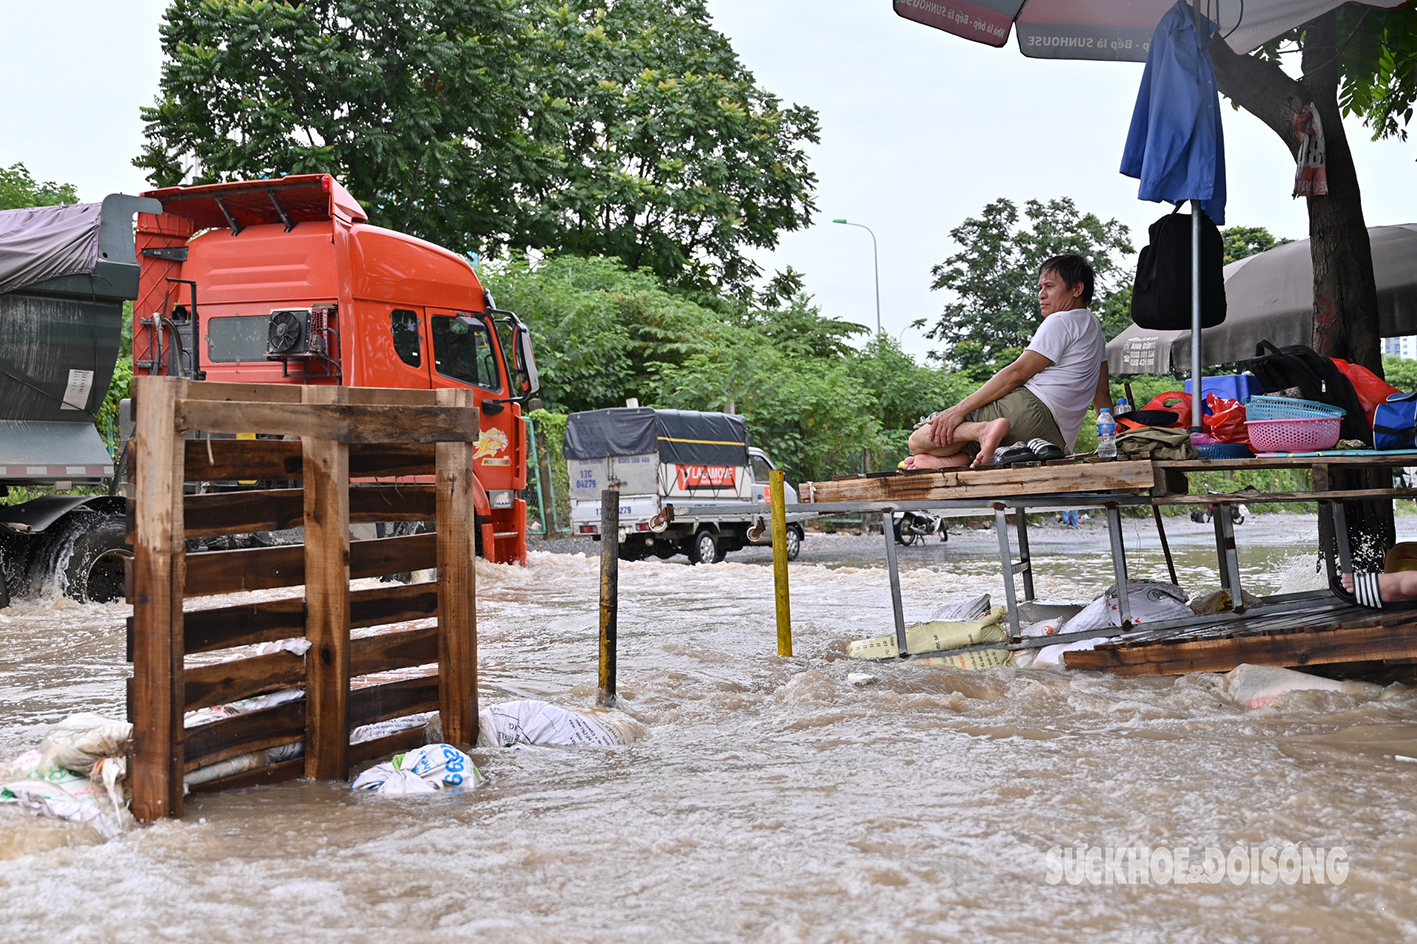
1317	378
1395	422
1161	294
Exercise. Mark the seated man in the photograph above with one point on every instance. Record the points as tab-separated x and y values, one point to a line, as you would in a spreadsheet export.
1042	395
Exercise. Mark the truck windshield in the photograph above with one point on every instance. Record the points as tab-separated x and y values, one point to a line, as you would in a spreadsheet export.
465	352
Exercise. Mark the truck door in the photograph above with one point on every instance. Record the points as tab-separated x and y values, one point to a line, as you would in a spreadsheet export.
465	354
410	367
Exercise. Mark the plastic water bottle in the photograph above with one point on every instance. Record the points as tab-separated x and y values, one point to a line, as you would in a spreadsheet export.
1123	407
1106	435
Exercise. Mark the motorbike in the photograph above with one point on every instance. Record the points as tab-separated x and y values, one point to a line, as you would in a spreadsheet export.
1238	513
912	526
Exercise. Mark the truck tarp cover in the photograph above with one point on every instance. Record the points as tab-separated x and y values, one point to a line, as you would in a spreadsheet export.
44	243
683	437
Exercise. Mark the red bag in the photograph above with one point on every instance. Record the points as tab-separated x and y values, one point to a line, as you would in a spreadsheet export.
1175	401
1371	388
1226	420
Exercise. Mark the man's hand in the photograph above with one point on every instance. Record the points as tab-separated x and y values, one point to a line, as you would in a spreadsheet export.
942	427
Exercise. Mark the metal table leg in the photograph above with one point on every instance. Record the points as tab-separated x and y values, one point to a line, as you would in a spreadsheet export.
1340	537
1230	561
1216	513
1025	561
1119	562
1006	562
887	525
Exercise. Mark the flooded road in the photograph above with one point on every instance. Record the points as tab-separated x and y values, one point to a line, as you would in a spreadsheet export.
774	800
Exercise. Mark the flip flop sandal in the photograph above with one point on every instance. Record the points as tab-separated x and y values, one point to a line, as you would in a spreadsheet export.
1009	455
1044	450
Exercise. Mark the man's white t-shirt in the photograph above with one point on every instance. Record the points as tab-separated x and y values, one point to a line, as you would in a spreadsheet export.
1073	341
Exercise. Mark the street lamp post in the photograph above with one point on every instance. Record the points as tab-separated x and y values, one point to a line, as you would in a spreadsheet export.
876	263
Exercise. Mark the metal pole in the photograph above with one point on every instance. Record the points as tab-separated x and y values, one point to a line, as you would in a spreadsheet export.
1119	562
1197	395
893	569
609	592
535	463
1161	533
776	478
876	264
1006	559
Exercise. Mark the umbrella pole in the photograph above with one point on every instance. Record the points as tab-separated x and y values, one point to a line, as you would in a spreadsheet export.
1197	396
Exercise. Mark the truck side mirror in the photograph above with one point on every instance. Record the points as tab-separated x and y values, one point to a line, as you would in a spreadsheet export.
526	361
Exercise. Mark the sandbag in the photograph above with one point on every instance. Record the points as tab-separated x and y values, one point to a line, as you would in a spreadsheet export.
538	723
422	770
932	637
1257	686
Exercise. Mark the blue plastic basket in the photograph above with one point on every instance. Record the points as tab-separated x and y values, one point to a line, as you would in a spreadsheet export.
1288	408
1223	451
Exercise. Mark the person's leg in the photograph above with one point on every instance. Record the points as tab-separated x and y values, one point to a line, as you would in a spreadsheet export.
969	436
1393	588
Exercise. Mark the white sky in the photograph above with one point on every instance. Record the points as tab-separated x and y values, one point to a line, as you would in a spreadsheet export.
919	130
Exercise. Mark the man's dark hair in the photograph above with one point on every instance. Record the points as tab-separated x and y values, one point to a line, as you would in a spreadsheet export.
1072	269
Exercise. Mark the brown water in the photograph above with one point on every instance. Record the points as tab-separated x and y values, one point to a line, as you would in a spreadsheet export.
774	800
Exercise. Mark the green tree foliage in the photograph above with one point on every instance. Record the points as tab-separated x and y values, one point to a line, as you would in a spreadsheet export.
993	279
1242	241
628	129
1401	372
18	189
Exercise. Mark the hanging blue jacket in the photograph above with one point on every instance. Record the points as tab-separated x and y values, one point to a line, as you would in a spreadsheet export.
1175	146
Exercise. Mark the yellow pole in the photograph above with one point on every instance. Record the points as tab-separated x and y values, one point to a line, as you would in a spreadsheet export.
779	563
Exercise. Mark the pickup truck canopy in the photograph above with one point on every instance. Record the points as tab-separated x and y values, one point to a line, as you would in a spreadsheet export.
41	243
684	437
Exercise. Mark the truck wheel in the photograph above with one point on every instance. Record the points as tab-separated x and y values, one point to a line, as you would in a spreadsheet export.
87	552
794	541
704	549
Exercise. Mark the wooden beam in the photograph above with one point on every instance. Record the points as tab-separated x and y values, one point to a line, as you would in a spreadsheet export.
388	651
156	594
1314	647
220	683
242	734
338	422
396	743
457	583
1129	476
375	703
1255	497
216	460
292	769
277	509
268	568
327	569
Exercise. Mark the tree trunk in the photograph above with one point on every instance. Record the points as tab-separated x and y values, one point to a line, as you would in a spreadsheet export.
1345	292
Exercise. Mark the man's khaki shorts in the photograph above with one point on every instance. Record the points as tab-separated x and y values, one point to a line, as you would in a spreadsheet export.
1028	419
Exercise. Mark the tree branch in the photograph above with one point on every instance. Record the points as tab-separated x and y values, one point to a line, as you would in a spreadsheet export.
1262	89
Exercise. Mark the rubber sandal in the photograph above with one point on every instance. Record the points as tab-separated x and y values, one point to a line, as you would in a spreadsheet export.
1044	450
1009	455
1367	594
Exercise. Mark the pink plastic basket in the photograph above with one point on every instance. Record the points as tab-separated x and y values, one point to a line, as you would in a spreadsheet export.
1294	435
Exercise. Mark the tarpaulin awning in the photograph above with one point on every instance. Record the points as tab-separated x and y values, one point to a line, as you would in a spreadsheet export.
684	437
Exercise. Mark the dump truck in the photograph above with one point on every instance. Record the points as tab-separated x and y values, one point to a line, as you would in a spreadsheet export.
273	281
65	273
663	462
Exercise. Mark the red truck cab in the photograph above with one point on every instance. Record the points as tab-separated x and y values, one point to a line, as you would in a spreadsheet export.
285	281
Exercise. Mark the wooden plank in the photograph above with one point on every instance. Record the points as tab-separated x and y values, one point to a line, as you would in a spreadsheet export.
216	460
457	583
156	595
393	700
338	422
250	392
1355	644
292	769
267	568
221	683
391	396
396	743
1254	497
388	651
327	568
940	485
1302	462
242	734
280	508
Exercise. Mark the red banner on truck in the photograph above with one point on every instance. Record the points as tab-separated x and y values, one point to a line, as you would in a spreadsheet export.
707	476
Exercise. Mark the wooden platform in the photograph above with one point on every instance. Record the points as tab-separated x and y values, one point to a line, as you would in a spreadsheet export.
1064	477
1327	634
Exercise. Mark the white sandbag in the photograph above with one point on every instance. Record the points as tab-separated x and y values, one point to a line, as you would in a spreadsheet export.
80	741
63	794
933	637
1257	686
962	610
970	661
542	724
436	766
1152	601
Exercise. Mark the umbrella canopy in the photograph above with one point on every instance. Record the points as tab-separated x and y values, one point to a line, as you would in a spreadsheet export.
1106	29
1271	295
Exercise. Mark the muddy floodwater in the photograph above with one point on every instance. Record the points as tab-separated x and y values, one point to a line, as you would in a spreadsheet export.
802	799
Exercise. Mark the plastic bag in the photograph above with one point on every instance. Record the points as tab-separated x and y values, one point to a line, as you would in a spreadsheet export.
1226	421
1371	388
1175	401
433	766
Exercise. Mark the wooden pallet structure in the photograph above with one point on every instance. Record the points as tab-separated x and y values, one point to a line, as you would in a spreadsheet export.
1121	477
384	439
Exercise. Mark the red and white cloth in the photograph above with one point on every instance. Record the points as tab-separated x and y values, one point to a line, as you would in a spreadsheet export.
1310	177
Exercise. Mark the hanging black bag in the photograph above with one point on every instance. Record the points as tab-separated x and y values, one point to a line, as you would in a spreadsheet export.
1317	377
1161	294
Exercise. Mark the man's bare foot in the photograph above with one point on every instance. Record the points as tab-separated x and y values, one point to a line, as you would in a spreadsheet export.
993	434
927	461
1398	587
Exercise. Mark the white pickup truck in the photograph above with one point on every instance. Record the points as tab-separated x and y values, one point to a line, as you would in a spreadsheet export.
660	459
